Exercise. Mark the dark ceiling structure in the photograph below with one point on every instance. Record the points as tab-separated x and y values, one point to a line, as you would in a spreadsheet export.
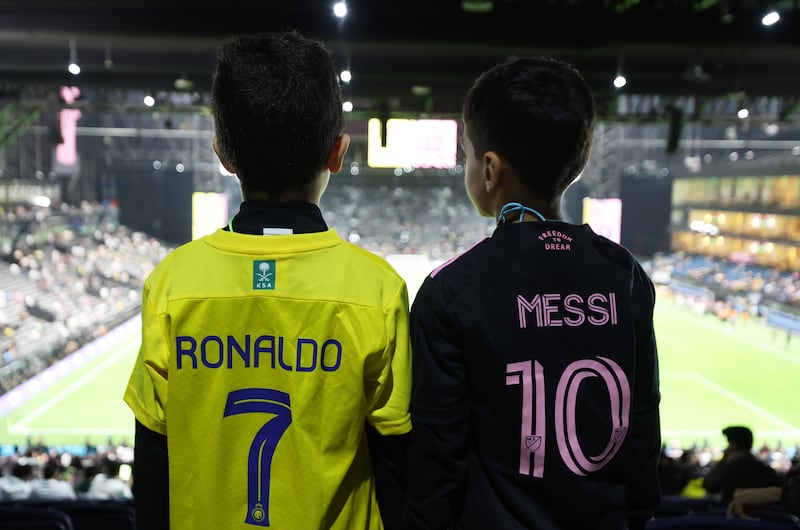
414	55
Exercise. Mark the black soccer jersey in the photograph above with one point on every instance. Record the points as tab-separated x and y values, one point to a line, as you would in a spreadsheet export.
535	398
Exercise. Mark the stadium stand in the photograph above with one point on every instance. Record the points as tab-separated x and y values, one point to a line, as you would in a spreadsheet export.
71	273
68	275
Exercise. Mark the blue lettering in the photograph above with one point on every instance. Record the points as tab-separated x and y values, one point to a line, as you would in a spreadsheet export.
300	343
204	351
235	346
309	355
285	366
261	349
179	341
338	363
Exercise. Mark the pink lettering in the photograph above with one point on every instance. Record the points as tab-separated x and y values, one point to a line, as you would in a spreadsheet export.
555	310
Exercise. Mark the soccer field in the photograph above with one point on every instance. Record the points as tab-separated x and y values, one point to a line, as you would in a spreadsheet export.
713	374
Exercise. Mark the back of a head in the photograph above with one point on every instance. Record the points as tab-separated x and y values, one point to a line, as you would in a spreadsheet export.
111	467
538	114
277	108
23	471
740	436
50	469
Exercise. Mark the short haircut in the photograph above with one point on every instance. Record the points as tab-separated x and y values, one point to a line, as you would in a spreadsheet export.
277	108
741	436
538	114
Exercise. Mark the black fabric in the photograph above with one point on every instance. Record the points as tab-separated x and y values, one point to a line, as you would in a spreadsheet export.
790	495
487	342
388	455
150	480
255	215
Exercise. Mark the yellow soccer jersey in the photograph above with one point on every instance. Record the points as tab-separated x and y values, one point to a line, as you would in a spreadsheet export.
261	358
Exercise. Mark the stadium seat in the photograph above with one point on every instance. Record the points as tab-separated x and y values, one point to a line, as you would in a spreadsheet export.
19	515
99	515
32	525
718	523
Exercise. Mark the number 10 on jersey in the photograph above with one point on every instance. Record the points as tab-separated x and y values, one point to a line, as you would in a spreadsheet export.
530	374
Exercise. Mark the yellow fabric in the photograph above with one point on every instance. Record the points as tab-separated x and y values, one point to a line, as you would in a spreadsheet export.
325	344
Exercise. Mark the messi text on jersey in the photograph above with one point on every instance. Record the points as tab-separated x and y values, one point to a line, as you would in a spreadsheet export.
301	355
556	310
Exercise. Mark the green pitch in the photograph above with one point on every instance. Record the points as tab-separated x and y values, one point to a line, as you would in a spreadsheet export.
713	374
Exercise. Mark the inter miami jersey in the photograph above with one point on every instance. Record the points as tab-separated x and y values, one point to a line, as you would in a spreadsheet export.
261	359
535	398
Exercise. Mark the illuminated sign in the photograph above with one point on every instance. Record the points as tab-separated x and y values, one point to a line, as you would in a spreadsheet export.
412	143
604	216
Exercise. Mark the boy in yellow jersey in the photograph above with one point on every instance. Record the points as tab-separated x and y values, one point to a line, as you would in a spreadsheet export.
271	348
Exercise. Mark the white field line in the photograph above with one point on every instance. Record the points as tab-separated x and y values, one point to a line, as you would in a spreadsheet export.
721	390
21	427
740	335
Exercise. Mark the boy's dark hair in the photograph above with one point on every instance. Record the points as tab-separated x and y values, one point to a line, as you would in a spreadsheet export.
277	109
538	114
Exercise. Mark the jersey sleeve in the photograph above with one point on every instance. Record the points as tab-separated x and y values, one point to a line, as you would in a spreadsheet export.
388	376
644	447
146	393
439	440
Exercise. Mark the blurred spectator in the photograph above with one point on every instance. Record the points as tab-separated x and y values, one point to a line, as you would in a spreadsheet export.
747	501
107	484
52	486
17	486
739	467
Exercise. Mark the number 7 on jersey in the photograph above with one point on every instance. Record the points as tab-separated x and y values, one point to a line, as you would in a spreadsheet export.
262	449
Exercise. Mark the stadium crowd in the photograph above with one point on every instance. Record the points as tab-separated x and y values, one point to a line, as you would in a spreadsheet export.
70	273
744	286
39	473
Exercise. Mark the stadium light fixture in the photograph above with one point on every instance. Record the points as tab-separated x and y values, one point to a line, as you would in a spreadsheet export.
743	113
73	68
149	100
108	62
340	9
620	80
770	18
347	106
346	76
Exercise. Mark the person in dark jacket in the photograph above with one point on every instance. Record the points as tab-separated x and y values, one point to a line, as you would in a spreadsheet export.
738	467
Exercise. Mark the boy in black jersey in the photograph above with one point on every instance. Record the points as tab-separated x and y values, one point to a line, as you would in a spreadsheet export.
535	397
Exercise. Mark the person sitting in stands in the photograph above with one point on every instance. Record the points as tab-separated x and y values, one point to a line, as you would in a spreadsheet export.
739	467
52	487
747	501
107	484
17	485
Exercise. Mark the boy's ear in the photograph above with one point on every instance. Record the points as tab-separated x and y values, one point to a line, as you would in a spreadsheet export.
336	156
225	163
493	168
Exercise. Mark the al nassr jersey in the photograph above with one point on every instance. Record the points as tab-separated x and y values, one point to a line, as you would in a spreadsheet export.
535	398
261	359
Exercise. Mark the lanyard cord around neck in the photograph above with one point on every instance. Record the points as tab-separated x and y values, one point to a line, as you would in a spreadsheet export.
513	207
